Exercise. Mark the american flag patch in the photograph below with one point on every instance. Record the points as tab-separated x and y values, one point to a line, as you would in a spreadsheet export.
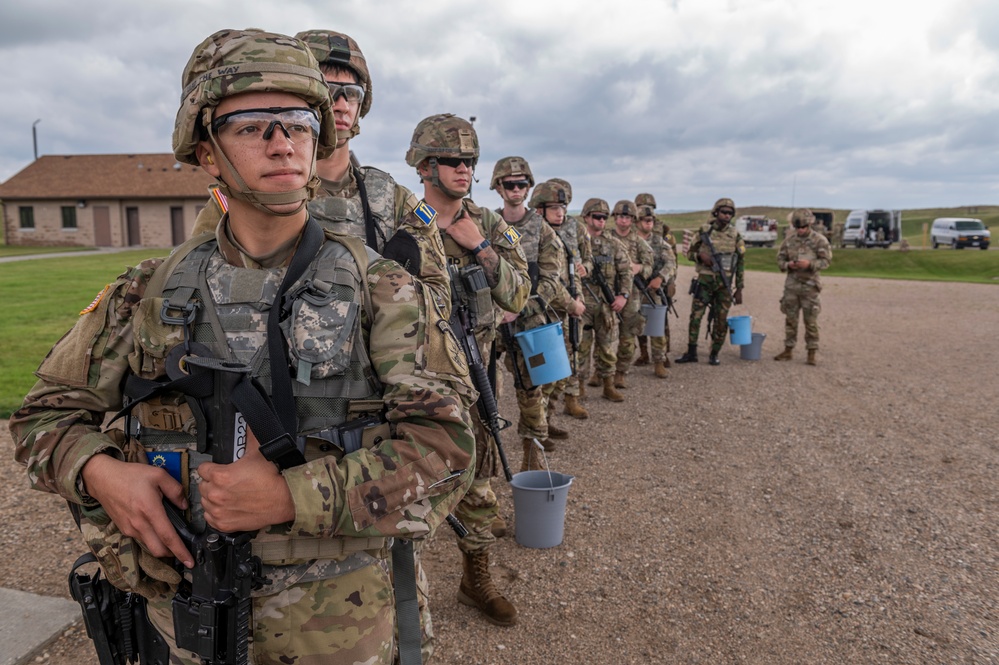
512	234
426	214
96	301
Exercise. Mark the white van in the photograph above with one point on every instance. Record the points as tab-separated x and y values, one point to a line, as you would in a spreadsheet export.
959	232
872	228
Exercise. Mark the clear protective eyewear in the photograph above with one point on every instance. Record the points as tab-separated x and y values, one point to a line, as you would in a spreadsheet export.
251	125
353	93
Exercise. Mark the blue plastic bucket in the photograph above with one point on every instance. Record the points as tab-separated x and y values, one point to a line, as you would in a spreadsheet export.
539	507
655	320
740	330
753	350
544	353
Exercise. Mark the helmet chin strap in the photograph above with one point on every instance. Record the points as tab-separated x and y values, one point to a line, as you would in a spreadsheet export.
262	200
436	181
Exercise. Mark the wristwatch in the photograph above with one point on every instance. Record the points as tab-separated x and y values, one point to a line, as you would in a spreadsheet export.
481	246
625	295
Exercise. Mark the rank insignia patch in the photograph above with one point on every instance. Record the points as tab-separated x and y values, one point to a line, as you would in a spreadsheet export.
513	235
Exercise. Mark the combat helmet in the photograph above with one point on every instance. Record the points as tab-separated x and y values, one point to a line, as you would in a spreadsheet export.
625	207
340	51
595	205
232	62
646	211
645	200
509	166
723	203
548	193
443	135
801	218
566	186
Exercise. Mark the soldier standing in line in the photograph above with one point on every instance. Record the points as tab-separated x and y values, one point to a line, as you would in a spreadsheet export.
640	256
611	266
663	278
256	114
802	256
444	151
578	253
670	288
709	287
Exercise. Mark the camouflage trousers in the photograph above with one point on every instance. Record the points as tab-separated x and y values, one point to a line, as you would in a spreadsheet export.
599	337
345	619
632	324
532	401
803	297
711	292
479	507
570	384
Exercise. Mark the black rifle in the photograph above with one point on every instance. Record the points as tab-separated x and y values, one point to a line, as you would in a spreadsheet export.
464	284
716	264
574	337
600	280
643	286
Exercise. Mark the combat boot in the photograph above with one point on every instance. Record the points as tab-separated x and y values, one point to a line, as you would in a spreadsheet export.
555	432
574	408
610	393
619	380
498	527
690	356
666	361
477	590
661	371
643	352
785	354
812	360
532	457
713	359
594	381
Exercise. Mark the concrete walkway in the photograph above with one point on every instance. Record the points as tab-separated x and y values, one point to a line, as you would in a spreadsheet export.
55	255
28	622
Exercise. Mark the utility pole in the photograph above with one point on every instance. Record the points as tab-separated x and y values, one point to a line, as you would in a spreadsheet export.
34	137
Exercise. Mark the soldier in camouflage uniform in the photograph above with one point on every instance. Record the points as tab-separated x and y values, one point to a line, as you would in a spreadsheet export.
600	322
709	287
663	277
649	200
358	338
444	151
802	255
512	179
640	259
579	256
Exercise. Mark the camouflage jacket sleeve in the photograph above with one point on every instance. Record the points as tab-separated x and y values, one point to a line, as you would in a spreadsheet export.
823	253
58	428
695	244
552	266
783	257
740	261
514	285
420	221
585	250
644	252
667	259
404	486
623	279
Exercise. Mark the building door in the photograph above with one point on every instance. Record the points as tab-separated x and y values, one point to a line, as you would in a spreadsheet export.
132	224
102	226
176	226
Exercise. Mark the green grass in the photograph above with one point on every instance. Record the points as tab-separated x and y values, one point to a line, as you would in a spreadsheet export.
42	300
973	266
24	250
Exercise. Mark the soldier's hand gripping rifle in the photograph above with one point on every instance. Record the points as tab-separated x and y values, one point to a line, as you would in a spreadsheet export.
716	263
600	279
466	284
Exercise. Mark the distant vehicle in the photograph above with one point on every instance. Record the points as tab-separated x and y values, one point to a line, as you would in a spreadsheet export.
959	232
757	231
872	228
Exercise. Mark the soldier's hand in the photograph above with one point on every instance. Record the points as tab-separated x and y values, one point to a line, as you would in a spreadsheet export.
509	317
704	256
132	494
578	308
619	303
581	270
464	232
738	296
655	282
246	495
671	289
636	268
803	264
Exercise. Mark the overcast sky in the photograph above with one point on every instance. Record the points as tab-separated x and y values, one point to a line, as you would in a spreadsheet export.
822	103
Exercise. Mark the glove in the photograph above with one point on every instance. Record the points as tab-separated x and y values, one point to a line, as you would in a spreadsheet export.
738	296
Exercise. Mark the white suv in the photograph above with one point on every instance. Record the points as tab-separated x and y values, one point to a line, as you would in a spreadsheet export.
959	232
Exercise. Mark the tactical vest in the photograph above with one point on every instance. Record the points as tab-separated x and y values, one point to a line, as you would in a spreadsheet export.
334	382
726	244
569	233
347	216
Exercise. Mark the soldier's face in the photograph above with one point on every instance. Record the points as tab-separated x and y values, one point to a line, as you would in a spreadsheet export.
623	223
513	189
723	217
595	222
802	230
645	225
344	111
554	214
455	178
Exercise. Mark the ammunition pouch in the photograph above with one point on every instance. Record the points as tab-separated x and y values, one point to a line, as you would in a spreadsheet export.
469	287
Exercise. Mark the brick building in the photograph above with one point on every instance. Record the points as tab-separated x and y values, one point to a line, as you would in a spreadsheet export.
103	201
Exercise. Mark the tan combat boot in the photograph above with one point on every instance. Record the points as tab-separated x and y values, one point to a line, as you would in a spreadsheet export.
477	590
785	354
661	371
610	393
498	527
619	380
643	352
532	457
812	360
594	381
554	431
574	408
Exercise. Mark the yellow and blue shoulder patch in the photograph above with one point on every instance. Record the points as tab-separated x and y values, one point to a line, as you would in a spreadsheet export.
425	213
96	301
512	234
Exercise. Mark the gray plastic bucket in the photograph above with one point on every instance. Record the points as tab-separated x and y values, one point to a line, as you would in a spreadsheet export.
752	350
539	507
655	320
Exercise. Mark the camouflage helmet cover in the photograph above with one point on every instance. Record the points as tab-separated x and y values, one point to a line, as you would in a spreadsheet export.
335	49
231	62
802	218
646	211
442	135
595	205
566	186
548	193
645	200
510	166
625	207
723	203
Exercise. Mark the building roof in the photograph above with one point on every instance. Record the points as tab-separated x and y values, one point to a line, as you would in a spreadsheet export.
107	177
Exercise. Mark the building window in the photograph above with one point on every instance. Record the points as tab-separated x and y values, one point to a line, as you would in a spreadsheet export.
69	218
27	214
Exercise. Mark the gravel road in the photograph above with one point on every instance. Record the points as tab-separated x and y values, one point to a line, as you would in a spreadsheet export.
756	512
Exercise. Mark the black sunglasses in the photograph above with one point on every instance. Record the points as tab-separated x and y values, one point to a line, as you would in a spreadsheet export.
455	162
509	185
598	215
